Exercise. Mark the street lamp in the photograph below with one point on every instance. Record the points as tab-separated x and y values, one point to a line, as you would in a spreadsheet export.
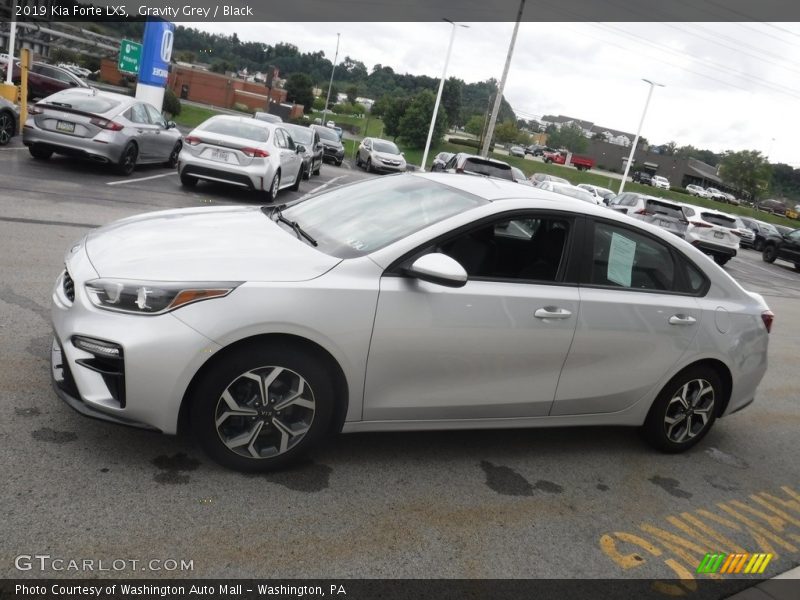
439	93
330	84
652	84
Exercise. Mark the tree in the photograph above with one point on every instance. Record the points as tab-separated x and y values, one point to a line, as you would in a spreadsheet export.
416	120
506	132
300	90
451	99
352	93
394	111
570	137
670	148
747	171
474	125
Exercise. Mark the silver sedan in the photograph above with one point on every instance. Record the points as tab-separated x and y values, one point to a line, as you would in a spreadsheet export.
425	301
102	127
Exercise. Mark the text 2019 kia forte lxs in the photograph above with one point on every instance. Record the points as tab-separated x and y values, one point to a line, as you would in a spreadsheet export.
424	301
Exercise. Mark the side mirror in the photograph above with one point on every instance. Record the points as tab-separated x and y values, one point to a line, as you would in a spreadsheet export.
171	125
300	149
439	269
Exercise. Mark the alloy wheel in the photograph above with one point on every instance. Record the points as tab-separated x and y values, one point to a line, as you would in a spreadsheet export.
689	410
6	129
265	412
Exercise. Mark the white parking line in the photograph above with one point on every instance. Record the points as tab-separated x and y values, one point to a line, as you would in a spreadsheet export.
140	179
7	149
324	185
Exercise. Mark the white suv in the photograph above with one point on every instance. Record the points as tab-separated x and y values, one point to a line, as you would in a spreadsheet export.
712	232
696	190
660	182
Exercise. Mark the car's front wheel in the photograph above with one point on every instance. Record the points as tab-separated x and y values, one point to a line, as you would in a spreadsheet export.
684	410
770	253
263	407
172	161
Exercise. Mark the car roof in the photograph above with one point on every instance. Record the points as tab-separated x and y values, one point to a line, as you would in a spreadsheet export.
248	120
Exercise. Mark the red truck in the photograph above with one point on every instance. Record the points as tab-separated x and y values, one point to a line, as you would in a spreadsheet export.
582	163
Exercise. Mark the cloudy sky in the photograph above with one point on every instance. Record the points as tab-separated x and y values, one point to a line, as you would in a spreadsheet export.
727	85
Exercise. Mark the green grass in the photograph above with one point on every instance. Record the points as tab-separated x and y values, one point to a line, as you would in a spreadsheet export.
191	116
375	123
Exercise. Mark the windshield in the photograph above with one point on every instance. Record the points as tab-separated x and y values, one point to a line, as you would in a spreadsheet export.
236	129
355	220
663	208
328	134
481	166
769	228
518	174
301	135
384	146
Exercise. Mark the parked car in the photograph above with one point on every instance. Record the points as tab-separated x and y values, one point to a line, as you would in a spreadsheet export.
731	199
45	80
696	190
642	177
79	71
333	150
761	231
664	214
537	178
746	235
716	194
471	164
658	181
519	176
630	202
604	194
9	121
309	139
786	247
289	341
782	229
517	151
776	207
267	117
380	156
103	127
566	189
440	160
537	150
712	232
582	163
244	152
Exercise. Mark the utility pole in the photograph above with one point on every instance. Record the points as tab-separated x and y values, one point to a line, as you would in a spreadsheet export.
330	84
493	120
652	84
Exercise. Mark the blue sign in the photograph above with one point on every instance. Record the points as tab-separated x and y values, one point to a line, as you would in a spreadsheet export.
156	53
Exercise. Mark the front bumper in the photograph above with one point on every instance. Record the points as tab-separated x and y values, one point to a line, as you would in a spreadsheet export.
161	356
333	154
61	143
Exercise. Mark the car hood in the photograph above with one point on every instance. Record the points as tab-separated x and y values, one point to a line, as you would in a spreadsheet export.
332	144
389	156
204	244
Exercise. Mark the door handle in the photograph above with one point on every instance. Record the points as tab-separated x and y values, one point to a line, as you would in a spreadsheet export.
552	312
682	320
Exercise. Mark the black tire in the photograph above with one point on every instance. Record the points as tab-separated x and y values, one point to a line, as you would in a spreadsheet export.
296	185
40	152
274	186
758	245
339	162
358	159
8	127
770	253
661	435
227	372
548	161
369	165
721	260
306	171
797	267
188	181
127	161
319	168
172	161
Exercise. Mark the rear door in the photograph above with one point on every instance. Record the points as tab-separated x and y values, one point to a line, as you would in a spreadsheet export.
790	249
639	315
143	131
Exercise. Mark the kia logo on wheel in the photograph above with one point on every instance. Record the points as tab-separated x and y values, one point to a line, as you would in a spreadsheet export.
166	45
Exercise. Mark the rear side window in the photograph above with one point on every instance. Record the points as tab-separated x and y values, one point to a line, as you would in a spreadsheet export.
236	129
720	220
479	166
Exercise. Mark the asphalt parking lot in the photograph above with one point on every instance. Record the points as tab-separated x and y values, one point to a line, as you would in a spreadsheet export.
594	503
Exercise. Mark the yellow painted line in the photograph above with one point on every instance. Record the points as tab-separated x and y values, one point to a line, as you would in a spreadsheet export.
783	515
727	543
775	522
764	534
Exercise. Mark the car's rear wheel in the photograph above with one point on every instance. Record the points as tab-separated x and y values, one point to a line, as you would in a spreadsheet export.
40	152
274	186
7	127
684	410
172	161
261	408
127	162
770	253
188	181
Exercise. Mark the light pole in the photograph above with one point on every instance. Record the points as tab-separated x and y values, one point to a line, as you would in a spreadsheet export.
439	93
652	84
11	37
330	84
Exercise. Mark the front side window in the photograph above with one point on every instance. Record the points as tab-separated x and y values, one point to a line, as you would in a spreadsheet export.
138	114
155	116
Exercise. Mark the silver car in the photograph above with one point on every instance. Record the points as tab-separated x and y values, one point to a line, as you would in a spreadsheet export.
412	302
245	152
382	156
102	127
9	117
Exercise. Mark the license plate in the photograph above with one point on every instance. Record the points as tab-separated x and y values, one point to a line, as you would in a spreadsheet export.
220	155
665	224
65	126
719	234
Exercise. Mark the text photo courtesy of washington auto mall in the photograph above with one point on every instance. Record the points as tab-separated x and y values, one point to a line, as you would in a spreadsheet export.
400	299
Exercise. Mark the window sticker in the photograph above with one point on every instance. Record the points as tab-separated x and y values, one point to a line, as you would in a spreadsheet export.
620	259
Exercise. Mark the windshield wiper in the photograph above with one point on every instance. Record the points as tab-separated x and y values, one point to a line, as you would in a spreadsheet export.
298	231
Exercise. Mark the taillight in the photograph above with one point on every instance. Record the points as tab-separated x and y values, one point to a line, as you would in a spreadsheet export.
255	152
768	317
35	110
191	140
736	233
641	212
700	224
106	124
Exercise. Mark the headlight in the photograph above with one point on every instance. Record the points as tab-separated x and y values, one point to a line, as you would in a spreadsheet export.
152	298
